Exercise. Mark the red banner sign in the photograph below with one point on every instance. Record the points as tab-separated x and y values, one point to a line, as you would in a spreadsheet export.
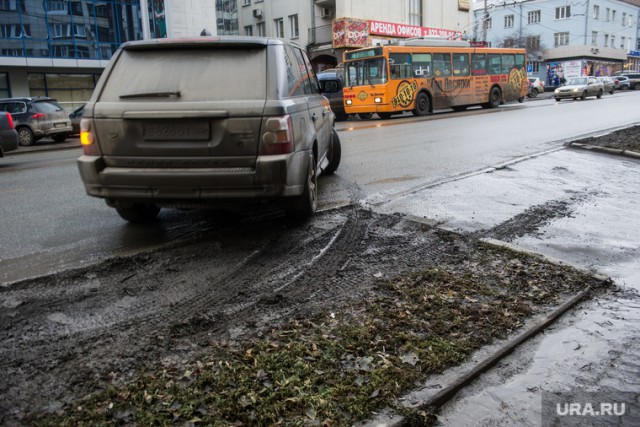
390	29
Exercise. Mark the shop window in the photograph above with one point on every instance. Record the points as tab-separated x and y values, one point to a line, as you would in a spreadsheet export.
4	86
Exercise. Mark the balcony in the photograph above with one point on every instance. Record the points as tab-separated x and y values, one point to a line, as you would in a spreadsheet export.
320	35
331	4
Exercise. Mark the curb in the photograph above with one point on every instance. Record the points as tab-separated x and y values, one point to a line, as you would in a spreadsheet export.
606	150
390	418
52	147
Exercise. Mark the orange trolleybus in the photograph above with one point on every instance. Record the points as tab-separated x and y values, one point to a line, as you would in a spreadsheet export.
421	75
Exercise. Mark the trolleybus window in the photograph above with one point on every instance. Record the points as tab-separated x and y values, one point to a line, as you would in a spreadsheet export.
422	64
400	65
460	64
508	62
441	64
369	72
494	64
478	64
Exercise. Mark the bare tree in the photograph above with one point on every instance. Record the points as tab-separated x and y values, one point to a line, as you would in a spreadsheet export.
530	42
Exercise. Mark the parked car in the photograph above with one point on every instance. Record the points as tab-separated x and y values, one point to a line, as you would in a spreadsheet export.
607	83
536	87
634	80
331	83
8	134
621	82
75	118
36	118
207	122
579	87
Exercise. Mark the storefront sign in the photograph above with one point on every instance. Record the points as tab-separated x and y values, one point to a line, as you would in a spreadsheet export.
350	33
390	29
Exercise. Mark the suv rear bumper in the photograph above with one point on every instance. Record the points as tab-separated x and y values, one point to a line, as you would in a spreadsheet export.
272	177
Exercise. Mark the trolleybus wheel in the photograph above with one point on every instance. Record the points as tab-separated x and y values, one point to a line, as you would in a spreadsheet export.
422	105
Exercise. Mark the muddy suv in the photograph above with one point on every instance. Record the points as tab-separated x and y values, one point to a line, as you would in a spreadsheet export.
207	122
36	118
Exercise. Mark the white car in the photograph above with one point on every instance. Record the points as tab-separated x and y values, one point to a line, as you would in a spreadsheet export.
536	86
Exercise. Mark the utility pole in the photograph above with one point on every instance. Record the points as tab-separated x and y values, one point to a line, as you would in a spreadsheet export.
485	22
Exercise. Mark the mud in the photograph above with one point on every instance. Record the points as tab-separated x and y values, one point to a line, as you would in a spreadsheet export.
67	335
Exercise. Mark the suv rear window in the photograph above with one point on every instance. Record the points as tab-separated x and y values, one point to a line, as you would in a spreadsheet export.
197	74
47	106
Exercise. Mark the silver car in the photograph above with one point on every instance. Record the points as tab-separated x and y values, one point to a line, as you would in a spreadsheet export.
36	118
608	84
209	122
579	87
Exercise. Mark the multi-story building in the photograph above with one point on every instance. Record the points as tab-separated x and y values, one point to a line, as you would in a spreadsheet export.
60	47
328	27
564	39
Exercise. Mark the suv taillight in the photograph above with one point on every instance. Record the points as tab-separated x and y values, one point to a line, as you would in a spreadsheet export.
88	139
39	116
10	120
277	137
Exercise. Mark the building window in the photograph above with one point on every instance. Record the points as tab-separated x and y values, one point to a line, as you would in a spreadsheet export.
246	2
561	39
488	21
415	12
508	21
606	40
533	17
596	12
10	5
623	42
608	13
613	15
613	41
15	31
533	42
624	19
248	30
261	28
563	12
594	38
56	6
535	67
293	26
279	27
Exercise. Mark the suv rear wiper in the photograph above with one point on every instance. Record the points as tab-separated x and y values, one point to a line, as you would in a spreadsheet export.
151	94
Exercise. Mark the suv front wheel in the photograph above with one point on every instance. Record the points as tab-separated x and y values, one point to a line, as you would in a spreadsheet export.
25	136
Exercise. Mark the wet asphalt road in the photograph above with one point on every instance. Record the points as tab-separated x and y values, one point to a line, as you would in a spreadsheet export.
443	168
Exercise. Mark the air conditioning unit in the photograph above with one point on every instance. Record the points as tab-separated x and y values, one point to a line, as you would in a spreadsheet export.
257	13
325	12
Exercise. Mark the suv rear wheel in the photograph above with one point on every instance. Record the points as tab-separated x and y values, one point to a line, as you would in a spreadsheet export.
26	137
138	212
305	205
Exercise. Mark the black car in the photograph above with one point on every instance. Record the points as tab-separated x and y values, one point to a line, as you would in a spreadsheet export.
75	118
8	134
36	118
332	82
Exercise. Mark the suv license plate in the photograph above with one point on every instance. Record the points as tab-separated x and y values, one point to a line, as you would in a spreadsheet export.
176	131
